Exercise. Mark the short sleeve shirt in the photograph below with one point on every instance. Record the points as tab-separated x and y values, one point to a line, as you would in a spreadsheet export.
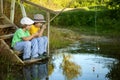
34	29
18	36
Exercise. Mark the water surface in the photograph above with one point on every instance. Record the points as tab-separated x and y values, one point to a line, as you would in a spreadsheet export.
79	61
70	64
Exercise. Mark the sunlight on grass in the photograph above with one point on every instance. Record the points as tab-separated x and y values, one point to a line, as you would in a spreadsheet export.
57	40
60	38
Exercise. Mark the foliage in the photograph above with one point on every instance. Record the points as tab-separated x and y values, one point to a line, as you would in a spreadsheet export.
79	17
57	4
114	4
60	38
84	21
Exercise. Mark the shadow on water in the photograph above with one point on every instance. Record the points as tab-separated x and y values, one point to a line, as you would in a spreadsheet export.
79	61
114	72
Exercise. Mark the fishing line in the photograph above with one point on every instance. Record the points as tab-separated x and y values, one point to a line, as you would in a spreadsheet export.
97	48
96	30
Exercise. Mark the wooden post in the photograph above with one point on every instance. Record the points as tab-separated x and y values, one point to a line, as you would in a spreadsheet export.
1	6
48	20
23	9
12	11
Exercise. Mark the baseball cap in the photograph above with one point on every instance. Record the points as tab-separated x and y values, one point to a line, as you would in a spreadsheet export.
27	21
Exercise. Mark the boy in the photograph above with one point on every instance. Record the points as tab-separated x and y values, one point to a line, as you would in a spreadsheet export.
23	41
41	40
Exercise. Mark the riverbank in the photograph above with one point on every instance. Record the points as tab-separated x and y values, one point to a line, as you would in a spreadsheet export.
60	37
63	37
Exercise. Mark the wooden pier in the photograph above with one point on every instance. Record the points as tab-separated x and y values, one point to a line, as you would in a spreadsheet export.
7	29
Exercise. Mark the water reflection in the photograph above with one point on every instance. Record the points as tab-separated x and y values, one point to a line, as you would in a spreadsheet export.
82	62
77	62
51	68
36	72
70	69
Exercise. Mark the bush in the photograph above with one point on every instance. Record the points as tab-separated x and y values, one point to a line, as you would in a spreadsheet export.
75	18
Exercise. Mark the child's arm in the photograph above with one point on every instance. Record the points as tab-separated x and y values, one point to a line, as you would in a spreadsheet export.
40	33
30	37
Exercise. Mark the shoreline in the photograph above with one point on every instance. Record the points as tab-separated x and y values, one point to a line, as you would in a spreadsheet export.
98	38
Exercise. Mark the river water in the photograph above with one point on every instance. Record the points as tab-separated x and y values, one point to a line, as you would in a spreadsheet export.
79	61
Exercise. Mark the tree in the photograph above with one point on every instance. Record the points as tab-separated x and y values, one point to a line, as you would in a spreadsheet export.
114	4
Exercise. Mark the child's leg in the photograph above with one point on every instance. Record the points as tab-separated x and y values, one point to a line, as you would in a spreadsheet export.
34	51
45	43
40	45
25	47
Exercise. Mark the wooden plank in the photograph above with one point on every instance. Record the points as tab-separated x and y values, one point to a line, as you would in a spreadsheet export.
1	6
39	6
5	51
1	17
31	61
23	9
6	18
12	10
17	52
6	25
48	20
6	36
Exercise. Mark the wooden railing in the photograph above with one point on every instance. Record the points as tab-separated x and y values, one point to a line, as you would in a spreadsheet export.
1	6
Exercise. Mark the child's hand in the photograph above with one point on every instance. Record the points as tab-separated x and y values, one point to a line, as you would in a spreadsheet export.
44	27
36	34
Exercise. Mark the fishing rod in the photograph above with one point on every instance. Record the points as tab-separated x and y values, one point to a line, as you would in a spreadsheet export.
96	30
49	10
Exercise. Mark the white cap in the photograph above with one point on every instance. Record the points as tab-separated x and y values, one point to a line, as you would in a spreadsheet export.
27	21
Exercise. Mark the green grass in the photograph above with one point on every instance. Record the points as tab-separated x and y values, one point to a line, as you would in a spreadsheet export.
60	38
102	22
57	39
83	22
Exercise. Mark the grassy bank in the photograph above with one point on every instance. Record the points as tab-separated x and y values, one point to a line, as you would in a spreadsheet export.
90	22
60	37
